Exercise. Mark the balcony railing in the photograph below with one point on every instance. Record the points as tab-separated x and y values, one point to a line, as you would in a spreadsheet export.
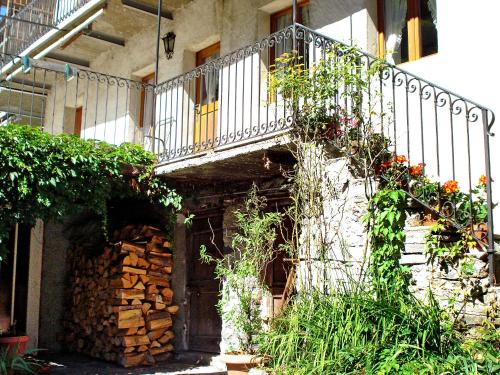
227	103
62	99
29	24
222	103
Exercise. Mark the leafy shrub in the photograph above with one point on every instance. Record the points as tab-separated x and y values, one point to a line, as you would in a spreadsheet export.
241	272
47	177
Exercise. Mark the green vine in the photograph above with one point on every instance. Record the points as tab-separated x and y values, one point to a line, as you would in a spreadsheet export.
48	177
242	273
386	219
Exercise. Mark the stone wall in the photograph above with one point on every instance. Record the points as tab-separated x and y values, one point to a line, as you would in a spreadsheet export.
473	294
345	200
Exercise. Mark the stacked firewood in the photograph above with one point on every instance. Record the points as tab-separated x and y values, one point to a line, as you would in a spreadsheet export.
121	307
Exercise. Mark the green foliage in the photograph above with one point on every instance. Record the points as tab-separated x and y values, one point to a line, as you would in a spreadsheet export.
356	333
47	177
241	273
18	364
373	327
386	219
450	248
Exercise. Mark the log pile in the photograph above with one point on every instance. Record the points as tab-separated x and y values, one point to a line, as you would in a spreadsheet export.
121	308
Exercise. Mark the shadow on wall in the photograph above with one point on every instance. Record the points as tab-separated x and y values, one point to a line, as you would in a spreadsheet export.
328	12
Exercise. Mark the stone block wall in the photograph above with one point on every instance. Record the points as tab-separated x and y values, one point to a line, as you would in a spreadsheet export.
345	201
473	295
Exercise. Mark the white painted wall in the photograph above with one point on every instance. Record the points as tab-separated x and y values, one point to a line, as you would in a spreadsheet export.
466	64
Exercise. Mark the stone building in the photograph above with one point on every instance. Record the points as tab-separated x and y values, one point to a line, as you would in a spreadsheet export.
87	67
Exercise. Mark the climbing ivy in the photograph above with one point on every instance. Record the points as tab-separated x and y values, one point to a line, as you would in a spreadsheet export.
386	220
48	177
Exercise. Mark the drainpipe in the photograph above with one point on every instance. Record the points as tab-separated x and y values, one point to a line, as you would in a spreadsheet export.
158	31
294	18
7	25
14	276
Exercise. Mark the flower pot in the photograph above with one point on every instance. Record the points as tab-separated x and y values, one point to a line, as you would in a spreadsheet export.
238	364
481	231
15	345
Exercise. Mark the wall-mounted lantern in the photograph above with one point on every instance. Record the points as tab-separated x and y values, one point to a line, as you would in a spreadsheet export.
168	44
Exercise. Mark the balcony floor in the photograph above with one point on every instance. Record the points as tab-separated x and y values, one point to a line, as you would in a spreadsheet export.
256	161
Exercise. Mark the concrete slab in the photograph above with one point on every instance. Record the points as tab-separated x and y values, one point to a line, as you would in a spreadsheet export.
73	364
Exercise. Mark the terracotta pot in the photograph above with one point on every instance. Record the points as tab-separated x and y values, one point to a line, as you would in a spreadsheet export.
428	220
239	364
16	345
481	231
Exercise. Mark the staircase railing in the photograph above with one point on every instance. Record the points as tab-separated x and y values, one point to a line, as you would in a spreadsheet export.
439	140
29	24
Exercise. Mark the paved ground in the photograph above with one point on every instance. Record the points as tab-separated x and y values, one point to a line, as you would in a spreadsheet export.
81	365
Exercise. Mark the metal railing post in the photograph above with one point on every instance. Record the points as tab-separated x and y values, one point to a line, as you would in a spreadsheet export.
294	17
489	197
157	67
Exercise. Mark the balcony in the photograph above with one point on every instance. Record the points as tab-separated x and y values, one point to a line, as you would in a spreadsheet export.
226	104
34	27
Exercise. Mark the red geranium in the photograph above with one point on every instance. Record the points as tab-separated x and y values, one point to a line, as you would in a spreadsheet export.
417	170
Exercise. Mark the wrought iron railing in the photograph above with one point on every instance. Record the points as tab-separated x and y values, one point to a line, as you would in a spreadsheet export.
441	138
224	102
62	99
21	29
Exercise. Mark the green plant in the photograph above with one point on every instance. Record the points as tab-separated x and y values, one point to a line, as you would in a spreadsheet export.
15	363
48	177
369	324
356	333
448	247
386	221
242	272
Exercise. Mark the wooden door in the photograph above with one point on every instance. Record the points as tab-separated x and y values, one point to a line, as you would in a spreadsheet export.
277	271
78	121
207	106
204	322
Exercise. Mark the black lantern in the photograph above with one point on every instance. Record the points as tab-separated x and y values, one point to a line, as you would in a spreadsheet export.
169	43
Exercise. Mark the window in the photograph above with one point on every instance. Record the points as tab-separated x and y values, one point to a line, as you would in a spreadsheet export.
207	99
407	29
146	115
78	121
207	87
284	18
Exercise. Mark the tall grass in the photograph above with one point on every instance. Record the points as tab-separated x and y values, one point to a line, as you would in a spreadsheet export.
356	333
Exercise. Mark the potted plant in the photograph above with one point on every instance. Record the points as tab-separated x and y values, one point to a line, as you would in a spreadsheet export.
241	274
12	343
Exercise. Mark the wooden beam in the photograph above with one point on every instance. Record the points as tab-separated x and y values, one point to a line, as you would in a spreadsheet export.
148	9
71	40
68	59
115	40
